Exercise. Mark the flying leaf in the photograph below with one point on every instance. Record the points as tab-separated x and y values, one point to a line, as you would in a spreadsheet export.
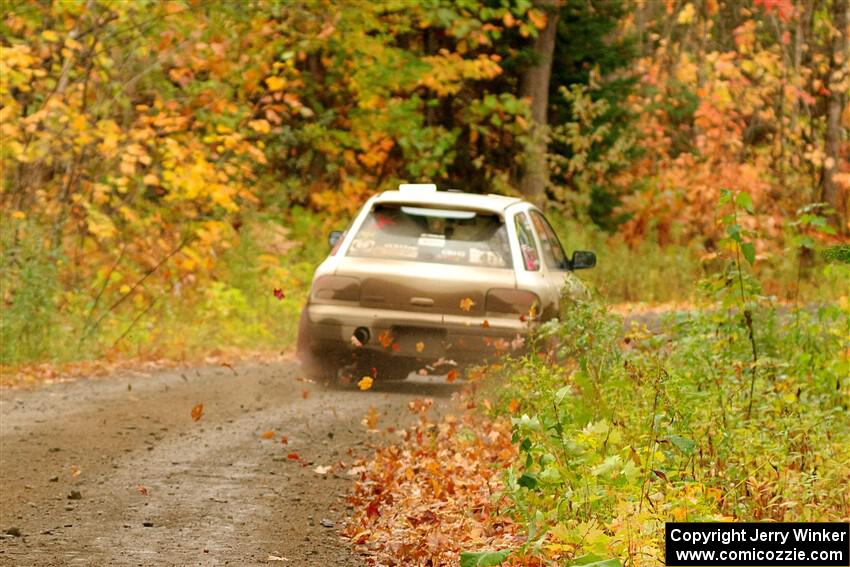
197	412
466	304
420	346
278	293
365	383
370	420
485	324
385	338
451	376
396	348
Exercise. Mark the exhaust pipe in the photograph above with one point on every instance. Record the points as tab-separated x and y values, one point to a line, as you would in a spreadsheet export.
361	335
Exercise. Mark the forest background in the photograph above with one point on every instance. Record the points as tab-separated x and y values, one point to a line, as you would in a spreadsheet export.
167	165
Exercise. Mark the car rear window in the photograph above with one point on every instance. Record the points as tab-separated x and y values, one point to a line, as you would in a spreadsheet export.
438	235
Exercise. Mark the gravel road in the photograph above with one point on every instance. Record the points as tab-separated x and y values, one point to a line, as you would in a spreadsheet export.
76	458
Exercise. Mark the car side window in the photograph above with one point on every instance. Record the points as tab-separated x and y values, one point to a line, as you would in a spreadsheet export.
530	254
553	252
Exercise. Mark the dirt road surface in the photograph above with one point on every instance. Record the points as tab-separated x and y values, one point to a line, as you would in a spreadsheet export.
75	456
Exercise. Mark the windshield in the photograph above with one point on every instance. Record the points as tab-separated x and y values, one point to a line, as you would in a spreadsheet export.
443	236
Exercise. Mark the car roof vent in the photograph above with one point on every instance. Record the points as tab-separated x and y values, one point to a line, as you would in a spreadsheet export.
417	188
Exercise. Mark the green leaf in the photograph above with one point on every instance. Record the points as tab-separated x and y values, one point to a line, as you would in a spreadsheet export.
681	443
527	480
734	232
483	558
748	249
745	201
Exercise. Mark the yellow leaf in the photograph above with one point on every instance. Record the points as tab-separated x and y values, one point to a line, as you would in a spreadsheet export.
125	289
262	126
687	15
19	215
50	35
420	346
151	179
79	123
275	83
466	304
365	383
538	19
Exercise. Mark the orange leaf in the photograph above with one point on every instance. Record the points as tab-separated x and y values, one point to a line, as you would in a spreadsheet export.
485	324
385	338
268	435
305	394
513	406
293	456
451	376
420	346
142	490
284	439
365	383
197	412
466	304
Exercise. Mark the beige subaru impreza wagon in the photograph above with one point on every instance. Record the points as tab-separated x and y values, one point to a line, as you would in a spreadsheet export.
428	279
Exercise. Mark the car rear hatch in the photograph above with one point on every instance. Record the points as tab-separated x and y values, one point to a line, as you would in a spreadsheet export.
423	288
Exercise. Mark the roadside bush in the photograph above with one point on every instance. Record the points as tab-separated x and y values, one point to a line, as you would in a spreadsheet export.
619	432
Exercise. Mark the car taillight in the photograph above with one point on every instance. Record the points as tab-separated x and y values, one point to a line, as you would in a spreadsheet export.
513	301
343	288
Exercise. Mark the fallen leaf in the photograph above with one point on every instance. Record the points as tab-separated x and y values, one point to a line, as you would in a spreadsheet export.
278	293
284	440
513	406
268	435
293	456
305	394
75	471
142	490
322	469
365	383
197	412
420	346
485	324
466	304
451	376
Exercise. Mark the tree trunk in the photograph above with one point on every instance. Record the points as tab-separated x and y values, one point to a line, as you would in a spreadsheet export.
838	81
535	84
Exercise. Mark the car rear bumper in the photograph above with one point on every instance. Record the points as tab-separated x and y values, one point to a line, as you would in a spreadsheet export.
330	327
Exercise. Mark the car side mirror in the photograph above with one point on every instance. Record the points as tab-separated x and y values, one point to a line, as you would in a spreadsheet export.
334	237
582	259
